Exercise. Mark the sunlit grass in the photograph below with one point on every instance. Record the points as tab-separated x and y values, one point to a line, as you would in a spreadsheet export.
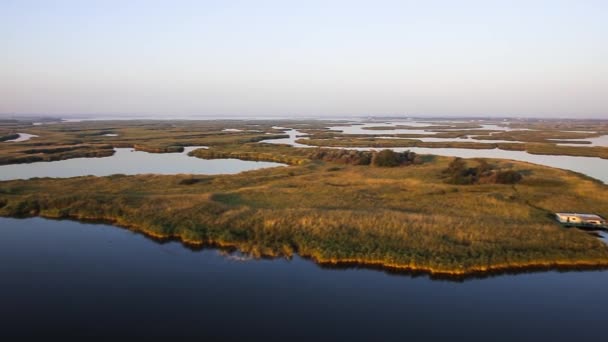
402	217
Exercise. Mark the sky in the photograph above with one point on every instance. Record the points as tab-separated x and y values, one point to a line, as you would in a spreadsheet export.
304	58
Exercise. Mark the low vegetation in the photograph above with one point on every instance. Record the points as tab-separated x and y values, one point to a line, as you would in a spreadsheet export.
256	152
291	156
533	148
458	172
65	140
8	136
549	136
429	127
396	210
330	208
384	158
386	143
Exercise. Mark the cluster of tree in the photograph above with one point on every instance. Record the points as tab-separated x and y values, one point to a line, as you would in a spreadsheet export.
10	136
390	158
384	158
342	156
458	172
158	148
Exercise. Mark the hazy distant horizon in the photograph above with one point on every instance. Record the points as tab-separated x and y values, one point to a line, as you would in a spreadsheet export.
469	58
397	117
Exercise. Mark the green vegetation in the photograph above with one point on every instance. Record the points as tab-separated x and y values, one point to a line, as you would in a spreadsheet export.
57	141
551	137
389	158
458	172
385	143
384	158
291	156
340	156
532	136
429	127
256	152
533	148
595	151
395	210
581	125
64	140
332	209
8	136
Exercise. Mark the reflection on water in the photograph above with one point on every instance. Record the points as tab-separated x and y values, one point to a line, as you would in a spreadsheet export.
68	278
128	161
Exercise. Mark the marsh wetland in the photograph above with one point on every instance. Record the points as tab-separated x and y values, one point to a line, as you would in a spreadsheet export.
392	220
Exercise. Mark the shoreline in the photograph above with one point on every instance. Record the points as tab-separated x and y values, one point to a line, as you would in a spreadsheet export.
474	272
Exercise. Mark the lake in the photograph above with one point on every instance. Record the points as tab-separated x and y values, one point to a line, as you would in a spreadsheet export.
64	278
128	161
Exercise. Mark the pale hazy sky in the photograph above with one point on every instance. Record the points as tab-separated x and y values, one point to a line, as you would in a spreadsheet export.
526	58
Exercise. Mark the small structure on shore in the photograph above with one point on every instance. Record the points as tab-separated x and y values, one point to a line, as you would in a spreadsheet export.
581	220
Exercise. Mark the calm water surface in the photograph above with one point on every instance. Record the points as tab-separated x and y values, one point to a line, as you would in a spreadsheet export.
128	161
597	141
361	129
293	136
593	167
63	278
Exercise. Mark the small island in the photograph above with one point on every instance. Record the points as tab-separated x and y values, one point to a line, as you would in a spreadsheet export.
393	210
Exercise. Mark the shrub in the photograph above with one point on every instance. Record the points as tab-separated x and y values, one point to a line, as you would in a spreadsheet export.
386	158
341	156
188	181
390	158
459	173
508	177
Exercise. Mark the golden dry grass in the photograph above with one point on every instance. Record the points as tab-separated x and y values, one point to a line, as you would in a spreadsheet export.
403	217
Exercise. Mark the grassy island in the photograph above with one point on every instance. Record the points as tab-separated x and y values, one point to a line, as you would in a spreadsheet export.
397	211
532	148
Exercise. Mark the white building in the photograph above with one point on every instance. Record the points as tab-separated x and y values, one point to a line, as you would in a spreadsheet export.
580	219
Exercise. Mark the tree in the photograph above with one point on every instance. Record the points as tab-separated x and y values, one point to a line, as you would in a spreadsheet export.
508	177
386	158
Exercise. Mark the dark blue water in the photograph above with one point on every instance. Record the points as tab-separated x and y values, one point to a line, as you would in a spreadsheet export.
62	278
